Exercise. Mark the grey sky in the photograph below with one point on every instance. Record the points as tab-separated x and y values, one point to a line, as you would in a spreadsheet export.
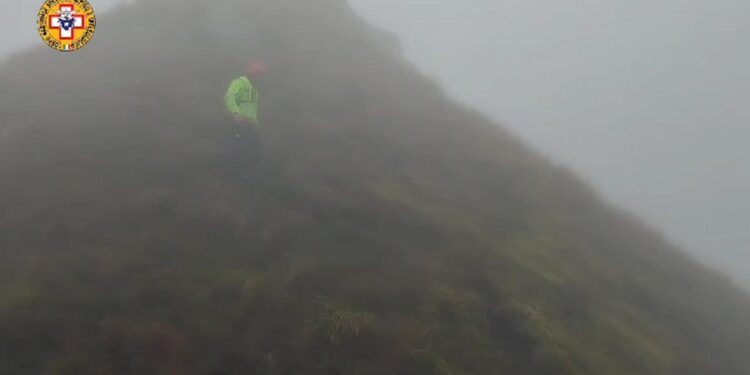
649	100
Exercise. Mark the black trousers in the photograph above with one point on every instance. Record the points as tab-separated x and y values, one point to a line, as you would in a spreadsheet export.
245	150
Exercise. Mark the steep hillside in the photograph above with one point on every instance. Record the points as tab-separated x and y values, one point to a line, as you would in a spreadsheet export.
390	230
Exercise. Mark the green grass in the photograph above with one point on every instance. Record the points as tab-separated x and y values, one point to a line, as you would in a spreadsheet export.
390	231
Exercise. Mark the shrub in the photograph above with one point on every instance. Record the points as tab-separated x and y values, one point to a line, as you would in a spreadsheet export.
338	322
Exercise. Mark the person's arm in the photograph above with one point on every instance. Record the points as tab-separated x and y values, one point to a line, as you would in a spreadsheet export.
255	95
230	99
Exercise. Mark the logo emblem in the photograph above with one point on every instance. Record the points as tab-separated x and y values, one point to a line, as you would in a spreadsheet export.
66	25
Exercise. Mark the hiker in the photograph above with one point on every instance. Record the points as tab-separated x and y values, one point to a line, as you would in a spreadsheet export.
242	100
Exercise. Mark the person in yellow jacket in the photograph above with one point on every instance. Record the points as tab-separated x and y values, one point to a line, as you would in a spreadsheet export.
242	101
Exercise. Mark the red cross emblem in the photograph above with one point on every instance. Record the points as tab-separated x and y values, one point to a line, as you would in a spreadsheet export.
66	21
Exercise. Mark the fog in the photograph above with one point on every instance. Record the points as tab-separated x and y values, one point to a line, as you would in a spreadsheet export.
364	222
646	100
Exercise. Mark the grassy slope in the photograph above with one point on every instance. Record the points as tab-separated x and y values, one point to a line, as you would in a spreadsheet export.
391	232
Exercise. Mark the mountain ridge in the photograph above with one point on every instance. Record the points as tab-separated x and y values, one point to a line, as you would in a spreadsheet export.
390	229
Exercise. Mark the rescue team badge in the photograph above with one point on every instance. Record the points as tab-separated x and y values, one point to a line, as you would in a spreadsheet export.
66	25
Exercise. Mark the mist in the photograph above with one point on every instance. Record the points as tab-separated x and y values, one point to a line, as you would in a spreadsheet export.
374	224
649	101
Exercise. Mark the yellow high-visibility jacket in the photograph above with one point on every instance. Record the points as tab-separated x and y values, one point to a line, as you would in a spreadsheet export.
242	99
